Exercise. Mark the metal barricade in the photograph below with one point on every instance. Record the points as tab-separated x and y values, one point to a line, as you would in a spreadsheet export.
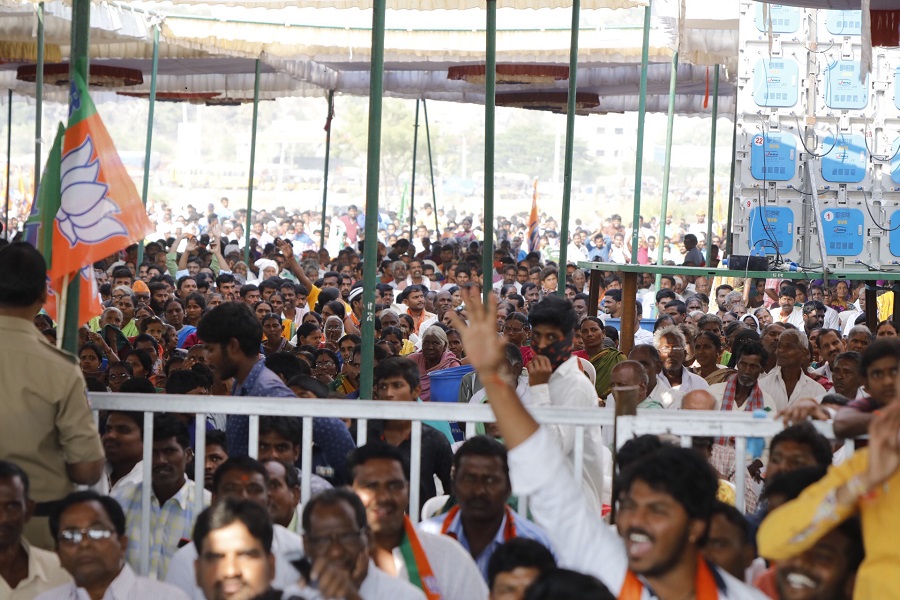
307	410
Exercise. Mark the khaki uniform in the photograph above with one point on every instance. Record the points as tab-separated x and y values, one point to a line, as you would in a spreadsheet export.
45	419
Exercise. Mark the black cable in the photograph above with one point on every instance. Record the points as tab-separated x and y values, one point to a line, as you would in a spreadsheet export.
869	210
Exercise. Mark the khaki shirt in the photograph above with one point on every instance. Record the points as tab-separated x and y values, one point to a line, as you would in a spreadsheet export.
44	574
45	419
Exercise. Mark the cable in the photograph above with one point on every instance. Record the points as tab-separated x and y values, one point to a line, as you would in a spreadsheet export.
869	210
803	142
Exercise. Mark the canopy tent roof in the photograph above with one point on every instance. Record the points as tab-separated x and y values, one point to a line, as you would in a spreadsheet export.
303	54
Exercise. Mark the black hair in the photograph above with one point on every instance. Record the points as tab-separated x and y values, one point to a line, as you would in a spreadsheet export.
662	322
712	337
849	355
217	437
374	450
306	328
555	311
752	348
93	348
290	428
328	353
167	425
880	348
137	385
563	584
23	275
122	273
9	470
519	552
136	416
246	289
398	366
333	497
806	434
230	510
665	293
663	470
338	308
232	320
614	294
835	399
198	298
183	381
309	384
635	448
239	463
287	365
791	484
224	278
113	510
481	445
735	517
680	306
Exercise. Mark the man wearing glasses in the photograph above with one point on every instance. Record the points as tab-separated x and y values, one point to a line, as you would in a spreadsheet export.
90	541
337	542
671	343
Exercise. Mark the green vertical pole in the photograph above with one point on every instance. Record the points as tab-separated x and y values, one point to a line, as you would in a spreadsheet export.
8	162
712	165
252	164
728	235
78	65
412	185
570	145
373	163
38	99
490	101
437	228
639	151
670	124
149	145
327	160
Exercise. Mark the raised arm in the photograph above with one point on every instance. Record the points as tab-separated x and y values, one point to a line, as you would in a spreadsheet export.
292	264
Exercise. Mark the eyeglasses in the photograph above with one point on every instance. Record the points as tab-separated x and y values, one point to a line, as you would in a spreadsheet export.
667	351
142	296
323	542
325	365
75	536
122	376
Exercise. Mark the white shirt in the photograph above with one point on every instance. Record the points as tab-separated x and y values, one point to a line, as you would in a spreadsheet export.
135	476
44	574
773	384
831	319
795	318
569	387
642	336
718	391
665	394
584	541
286	546
126	586
689	382
377	585
456	574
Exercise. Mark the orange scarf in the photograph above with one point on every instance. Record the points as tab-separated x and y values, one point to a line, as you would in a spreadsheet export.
705	587
417	566
509	530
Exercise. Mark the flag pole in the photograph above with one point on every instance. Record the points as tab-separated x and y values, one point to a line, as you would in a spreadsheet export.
252	163
149	145
639	149
412	192
78	66
38	100
61	305
373	174
490	106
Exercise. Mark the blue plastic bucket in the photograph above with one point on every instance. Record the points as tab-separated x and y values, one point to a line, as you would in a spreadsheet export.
445	383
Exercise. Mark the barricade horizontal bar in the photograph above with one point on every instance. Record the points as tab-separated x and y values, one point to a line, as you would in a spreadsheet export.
343	409
703	426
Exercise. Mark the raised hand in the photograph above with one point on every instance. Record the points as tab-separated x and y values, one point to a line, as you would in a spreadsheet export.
286	249
485	350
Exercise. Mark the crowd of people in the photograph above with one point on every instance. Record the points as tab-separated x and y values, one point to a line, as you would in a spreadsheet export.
193	318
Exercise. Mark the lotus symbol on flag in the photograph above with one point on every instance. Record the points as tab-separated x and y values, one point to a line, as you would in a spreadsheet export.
85	213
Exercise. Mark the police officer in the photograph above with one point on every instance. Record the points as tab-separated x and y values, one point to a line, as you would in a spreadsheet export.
46	425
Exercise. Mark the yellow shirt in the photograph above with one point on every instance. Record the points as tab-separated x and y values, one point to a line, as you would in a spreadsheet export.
885	304
799	524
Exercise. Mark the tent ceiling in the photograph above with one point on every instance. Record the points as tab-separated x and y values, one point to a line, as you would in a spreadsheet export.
416	5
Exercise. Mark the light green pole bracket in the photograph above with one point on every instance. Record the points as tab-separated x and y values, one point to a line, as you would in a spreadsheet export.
570	145
249	218
639	150
149	146
328	122
670	124
712	165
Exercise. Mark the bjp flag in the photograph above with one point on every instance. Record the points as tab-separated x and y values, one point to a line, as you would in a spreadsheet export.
100	211
534	232
89	305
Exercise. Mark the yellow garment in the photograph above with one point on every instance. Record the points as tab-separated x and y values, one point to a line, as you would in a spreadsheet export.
799	524
407	348
726	493
287	329
885	305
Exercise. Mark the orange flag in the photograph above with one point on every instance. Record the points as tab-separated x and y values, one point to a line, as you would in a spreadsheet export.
100	211
89	305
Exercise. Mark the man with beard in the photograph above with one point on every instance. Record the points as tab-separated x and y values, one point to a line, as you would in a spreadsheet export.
556	378
436	564
337	542
663	516
721	294
830	345
482	520
672	347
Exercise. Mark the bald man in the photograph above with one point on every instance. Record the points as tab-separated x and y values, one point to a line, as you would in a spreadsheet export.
698	400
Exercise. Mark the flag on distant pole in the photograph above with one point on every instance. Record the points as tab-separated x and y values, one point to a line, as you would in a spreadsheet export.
534	233
404	201
100	211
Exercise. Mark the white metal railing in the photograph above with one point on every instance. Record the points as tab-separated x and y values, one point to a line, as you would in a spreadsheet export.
685	424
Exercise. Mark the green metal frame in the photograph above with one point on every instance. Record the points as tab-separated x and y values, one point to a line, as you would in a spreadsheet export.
38	99
8	161
373	175
412	184
437	229
712	165
252	163
570	145
490	109
667	168
639	150
151	106
330	122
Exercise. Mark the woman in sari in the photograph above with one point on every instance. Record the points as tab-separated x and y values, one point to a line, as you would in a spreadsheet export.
603	356
434	356
707	350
